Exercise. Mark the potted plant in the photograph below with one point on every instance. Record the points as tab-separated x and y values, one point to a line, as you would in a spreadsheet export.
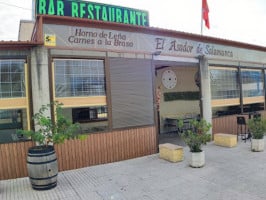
42	161
196	137
257	128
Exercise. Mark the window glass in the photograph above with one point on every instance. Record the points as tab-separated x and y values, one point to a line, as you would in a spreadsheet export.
90	119
12	78
89	114
79	78
10	121
82	80
224	84
252	83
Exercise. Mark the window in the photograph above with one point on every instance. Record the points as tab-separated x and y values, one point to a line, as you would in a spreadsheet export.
252	86
224	83
252	83
225	90
10	121
14	103
80	85
79	78
83	115
12	78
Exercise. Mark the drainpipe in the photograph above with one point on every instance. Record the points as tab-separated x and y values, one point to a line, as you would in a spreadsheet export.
156	107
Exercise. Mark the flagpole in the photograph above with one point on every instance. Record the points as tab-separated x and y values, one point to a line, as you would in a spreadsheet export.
201	19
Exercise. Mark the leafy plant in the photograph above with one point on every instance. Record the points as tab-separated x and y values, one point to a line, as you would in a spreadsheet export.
198	135
50	131
257	126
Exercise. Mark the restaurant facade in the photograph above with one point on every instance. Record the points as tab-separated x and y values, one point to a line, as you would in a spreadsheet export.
121	80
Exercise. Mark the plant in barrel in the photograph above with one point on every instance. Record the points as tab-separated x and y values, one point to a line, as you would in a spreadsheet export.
42	161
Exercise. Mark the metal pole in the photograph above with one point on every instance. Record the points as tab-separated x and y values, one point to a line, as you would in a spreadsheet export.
201	28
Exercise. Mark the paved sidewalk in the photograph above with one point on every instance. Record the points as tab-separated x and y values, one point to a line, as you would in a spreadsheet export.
229	174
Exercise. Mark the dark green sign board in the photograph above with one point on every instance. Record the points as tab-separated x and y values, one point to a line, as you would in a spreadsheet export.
91	10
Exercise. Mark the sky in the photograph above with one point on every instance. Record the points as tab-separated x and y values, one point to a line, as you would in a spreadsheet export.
238	20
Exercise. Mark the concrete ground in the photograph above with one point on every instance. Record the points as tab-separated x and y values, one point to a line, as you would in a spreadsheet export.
229	174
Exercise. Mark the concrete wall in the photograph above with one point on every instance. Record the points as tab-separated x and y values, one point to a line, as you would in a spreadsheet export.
25	30
40	78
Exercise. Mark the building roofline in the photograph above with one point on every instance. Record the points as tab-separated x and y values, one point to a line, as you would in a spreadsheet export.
64	20
18	44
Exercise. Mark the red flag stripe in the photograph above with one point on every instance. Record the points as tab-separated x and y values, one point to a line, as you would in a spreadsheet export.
205	13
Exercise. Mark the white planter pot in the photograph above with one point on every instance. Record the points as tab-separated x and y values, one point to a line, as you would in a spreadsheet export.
197	159
257	144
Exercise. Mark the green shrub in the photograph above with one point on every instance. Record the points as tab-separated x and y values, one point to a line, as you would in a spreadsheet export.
198	135
50	131
257	127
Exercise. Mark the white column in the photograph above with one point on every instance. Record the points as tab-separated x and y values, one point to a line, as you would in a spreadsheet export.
205	90
39	78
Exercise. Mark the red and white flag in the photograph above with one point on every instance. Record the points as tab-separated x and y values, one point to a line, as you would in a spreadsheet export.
205	13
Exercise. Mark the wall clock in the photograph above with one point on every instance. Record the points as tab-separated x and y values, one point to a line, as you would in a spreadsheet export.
169	79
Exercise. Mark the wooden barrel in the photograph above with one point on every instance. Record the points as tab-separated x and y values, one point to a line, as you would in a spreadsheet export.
42	167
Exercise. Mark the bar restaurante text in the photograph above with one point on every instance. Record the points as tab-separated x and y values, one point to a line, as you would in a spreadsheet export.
91	10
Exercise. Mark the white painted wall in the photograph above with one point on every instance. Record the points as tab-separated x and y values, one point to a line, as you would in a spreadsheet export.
185	82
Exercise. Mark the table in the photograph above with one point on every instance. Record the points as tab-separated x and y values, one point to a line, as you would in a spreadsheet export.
171	124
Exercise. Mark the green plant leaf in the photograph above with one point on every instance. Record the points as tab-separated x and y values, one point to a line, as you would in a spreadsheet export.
198	135
257	127
49	131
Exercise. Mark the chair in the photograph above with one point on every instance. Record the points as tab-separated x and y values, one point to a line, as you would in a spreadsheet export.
257	116
186	124
242	129
170	126
254	115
